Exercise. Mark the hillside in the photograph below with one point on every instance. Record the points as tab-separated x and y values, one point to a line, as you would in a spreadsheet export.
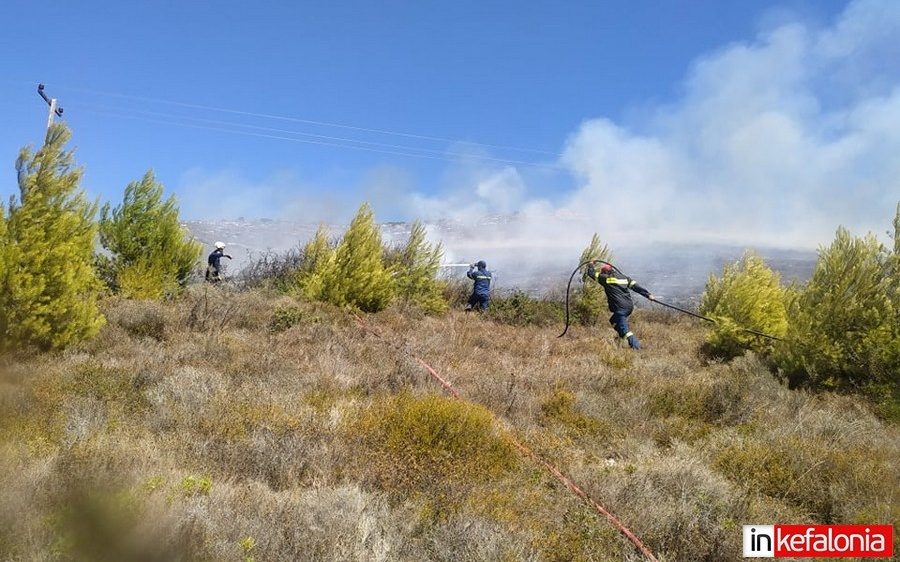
247	426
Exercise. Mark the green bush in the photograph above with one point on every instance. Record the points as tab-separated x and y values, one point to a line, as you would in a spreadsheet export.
844	331
141	319
749	296
520	309
560	408
416	265
317	257
284	318
430	444
354	275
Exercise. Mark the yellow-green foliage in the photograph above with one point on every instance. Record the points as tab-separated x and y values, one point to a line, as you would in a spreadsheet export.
559	408
357	276
48	290
844	325
317	258
417	264
812	474
286	317
6	259
578	537
196	485
590	305
431	443
150	253
143	280
688	412
520	309
748	296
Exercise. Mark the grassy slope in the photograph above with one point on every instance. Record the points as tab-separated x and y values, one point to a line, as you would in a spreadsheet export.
252	427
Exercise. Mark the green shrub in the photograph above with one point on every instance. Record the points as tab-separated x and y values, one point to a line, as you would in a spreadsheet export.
560	408
317	257
808	473
117	389
285	318
844	331
717	402
430	444
355	276
520	309
141	319
749	296
416	265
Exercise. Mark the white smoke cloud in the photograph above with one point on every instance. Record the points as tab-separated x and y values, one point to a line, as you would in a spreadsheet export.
227	195
772	143
775	141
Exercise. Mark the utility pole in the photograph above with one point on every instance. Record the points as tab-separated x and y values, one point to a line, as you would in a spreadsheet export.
52	103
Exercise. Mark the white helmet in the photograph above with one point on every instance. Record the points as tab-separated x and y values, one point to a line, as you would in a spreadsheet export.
220	245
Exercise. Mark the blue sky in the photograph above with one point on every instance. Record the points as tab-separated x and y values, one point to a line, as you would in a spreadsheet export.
755	121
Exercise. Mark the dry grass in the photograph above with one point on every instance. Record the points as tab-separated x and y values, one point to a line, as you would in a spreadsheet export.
247	426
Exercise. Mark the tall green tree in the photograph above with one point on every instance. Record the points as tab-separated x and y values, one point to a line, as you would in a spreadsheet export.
7	258
49	291
843	329
416	264
357	277
150	254
749	295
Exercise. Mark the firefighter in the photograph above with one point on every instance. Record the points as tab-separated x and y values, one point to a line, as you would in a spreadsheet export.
618	297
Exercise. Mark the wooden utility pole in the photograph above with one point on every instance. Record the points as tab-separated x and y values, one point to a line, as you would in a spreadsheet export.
52	103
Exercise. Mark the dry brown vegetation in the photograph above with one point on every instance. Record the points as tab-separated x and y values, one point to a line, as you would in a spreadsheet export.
243	426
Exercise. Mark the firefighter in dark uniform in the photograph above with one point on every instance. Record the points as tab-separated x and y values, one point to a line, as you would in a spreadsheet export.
481	290
213	263
618	296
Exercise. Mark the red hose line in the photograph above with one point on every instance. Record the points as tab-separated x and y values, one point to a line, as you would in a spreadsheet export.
525	450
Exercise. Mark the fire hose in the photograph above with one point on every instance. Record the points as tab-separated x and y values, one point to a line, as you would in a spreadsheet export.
657	301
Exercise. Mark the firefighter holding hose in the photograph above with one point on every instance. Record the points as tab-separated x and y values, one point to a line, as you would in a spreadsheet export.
618	297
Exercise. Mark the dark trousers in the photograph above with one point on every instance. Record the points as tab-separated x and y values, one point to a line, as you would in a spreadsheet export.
619	321
478	302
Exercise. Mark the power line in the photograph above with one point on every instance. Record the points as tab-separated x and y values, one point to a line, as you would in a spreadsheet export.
313	122
231	127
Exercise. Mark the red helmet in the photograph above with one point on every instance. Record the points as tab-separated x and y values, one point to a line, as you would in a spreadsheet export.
605	268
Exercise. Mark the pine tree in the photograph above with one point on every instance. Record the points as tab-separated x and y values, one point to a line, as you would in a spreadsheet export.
151	255
417	264
357	277
590	305
7	258
49	291
748	296
843	325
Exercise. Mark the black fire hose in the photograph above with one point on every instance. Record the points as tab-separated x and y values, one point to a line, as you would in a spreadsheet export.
748	330
569	286
657	301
